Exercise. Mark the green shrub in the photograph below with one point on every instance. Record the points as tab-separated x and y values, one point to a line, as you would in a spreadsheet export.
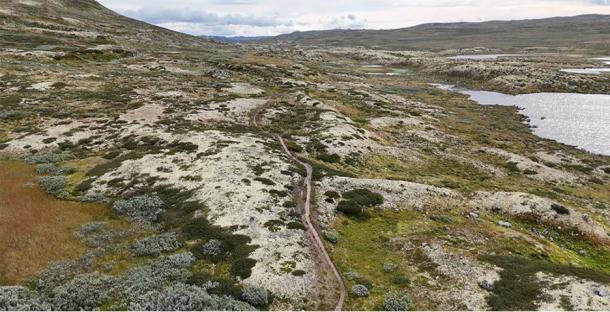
356	201
560	209
329	158
265	181
298	272
331	237
400	280
242	267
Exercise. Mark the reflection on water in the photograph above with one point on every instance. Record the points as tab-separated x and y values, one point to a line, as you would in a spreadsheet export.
582	120
586	71
482	57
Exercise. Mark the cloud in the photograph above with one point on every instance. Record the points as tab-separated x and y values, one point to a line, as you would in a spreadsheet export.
186	15
273	17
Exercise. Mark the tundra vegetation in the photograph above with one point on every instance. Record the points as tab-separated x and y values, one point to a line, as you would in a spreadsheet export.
141	171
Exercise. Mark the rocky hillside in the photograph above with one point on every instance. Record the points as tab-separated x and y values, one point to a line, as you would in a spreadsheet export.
588	32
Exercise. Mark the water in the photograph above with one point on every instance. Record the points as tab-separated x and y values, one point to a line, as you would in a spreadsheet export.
605	60
581	120
587	71
481	57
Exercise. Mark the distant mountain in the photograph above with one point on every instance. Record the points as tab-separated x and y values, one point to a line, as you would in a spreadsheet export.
235	39
584	31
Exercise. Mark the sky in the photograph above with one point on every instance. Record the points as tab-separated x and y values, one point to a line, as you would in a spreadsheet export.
273	17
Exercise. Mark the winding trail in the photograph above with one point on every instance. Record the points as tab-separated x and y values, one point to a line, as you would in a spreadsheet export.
311	229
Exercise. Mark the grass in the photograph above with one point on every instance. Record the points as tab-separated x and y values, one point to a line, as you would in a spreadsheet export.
518	287
363	248
36	228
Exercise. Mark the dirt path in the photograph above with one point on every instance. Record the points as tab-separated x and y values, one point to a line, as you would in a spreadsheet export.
312	230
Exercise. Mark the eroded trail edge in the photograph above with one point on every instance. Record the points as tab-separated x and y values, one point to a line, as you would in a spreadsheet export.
309	224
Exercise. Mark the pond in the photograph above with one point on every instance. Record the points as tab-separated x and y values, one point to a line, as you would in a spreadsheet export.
581	120
586	71
482	57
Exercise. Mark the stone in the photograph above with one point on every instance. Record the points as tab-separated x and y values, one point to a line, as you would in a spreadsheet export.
485	284
505	224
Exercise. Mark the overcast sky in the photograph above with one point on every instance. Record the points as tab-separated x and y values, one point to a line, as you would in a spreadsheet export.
273	17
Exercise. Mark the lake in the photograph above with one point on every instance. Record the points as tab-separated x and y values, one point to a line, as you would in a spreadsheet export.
482	57
581	120
587	71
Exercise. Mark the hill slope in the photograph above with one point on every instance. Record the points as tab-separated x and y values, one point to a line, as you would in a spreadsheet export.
584	31
78	23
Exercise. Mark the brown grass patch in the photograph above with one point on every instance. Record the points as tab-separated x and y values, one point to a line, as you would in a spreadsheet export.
36	228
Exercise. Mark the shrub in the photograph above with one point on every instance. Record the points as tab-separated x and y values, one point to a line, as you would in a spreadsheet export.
356	201
298	272
560	209
360	291
84	292
265	181
182	297
46	157
331	236
442	218
52	169
255	296
364	282
390	267
351	275
140	208
155	245
17	298
153	275
53	276
400	280
54	185
98	234
395	301
296	225
212	250
329	158
242	267
332	194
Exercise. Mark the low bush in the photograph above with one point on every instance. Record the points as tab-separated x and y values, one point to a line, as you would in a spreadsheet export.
84	292
17	298
55	185
183	297
155	245
560	209
331	237
143	208
298	272
255	296
329	158
47	157
242	267
52	169
395	301
389	267
356	201
360	291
